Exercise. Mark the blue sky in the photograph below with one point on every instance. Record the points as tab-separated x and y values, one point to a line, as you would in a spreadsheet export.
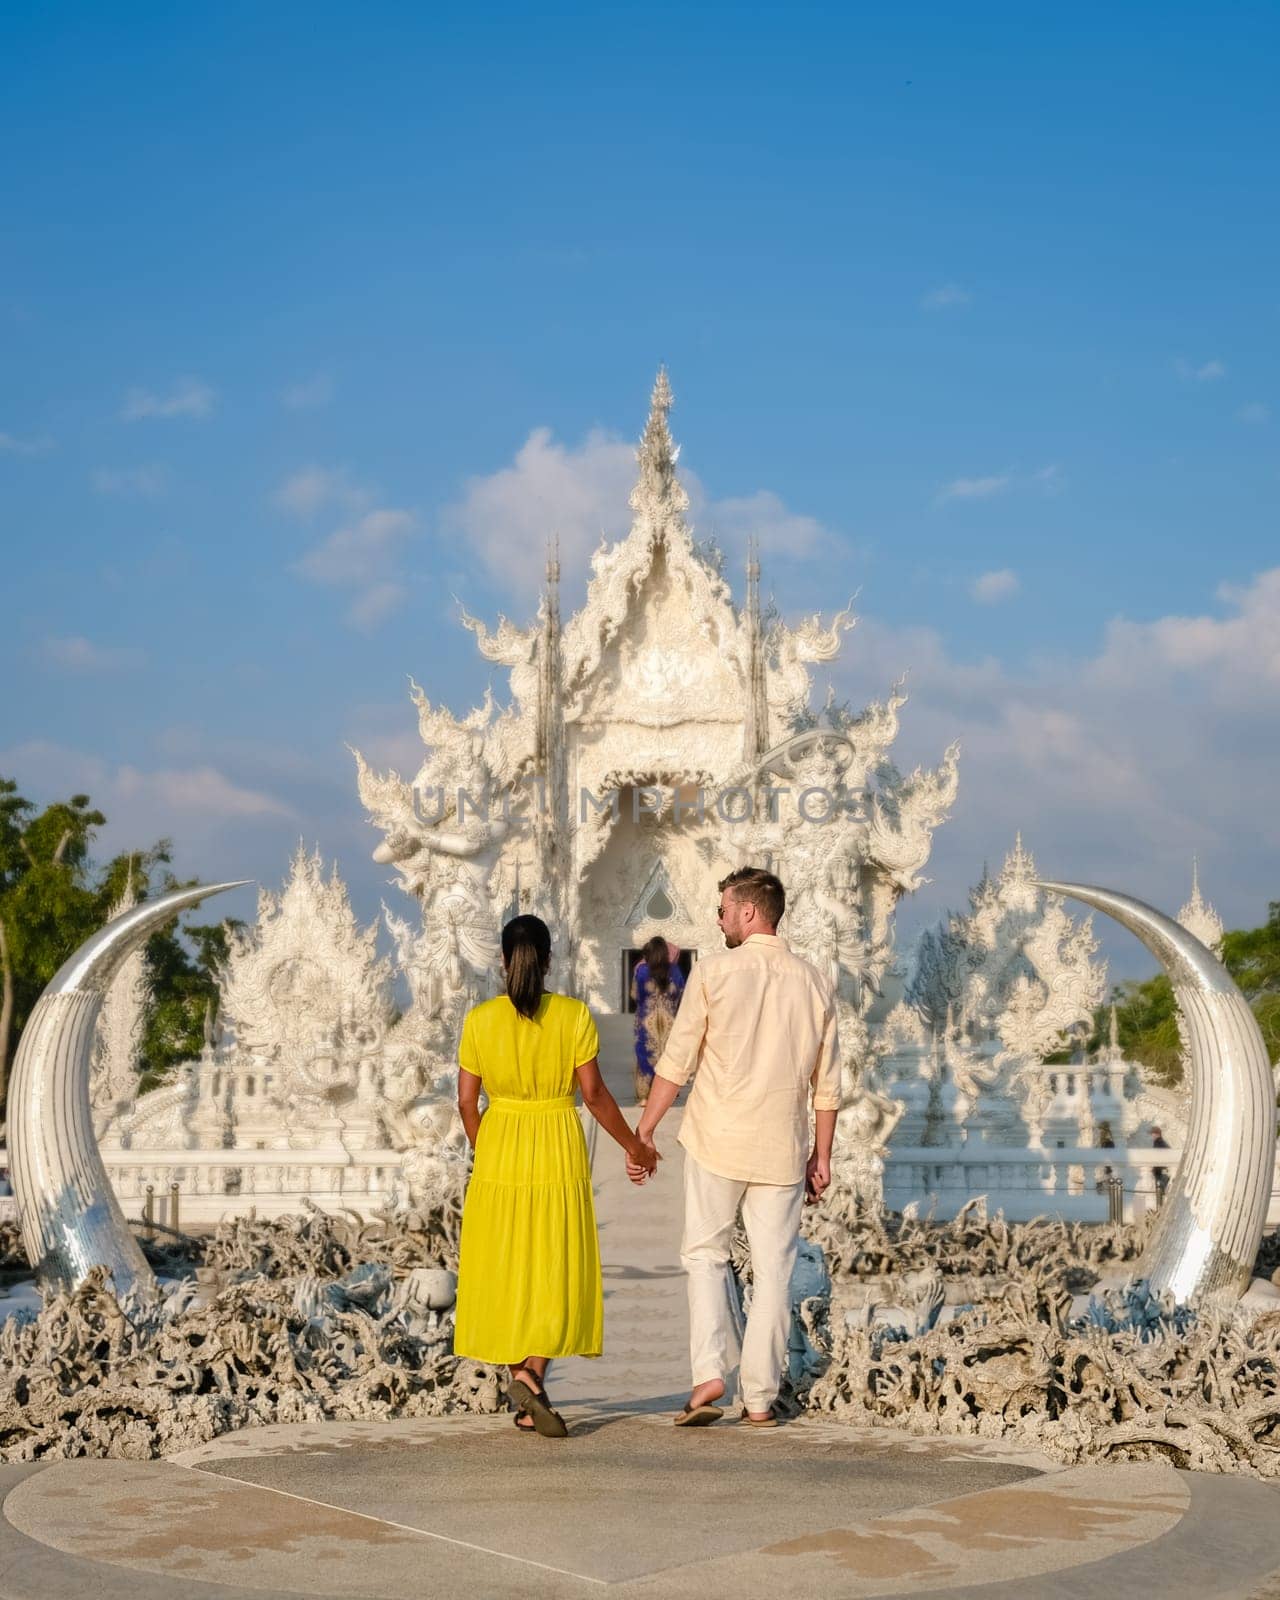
311	319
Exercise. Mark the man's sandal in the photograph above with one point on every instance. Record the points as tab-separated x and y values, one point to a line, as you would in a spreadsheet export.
698	1416
758	1422
550	1424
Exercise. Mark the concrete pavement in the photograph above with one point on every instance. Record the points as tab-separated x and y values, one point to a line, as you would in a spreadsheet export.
450	1506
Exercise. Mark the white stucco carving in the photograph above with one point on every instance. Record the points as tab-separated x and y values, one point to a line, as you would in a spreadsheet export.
1004	986
312	1062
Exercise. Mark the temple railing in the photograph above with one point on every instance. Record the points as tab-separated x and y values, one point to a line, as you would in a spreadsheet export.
215	1184
1027	1181
1023	1182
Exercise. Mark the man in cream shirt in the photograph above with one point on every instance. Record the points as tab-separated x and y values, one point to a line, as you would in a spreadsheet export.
756	1031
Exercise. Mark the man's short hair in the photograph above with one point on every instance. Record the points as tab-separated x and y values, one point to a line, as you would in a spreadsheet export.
762	889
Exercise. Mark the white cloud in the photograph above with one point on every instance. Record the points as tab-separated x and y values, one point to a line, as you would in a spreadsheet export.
944	297
1205	372
973	488
993	587
364	555
310	395
358	552
376	602
578	494
1047	480
1118	765
189	397
11	445
197	789
313	489
147	483
1255	412
77	654
195	805
762	516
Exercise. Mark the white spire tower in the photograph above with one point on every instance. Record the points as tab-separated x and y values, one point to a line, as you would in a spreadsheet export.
1199	918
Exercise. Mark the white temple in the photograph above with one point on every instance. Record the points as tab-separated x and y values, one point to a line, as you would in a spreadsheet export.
654	741
651	742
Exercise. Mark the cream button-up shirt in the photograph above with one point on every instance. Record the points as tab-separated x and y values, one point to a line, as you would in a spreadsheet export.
756	1031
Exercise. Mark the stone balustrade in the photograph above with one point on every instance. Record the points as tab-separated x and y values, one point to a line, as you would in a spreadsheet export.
1022	1182
216	1184
1027	1182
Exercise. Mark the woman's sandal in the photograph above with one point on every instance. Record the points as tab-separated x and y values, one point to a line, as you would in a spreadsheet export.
550	1424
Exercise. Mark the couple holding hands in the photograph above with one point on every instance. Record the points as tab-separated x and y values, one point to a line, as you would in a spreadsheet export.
756	1032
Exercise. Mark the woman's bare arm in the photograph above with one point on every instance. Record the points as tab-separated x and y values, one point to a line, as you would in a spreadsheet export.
604	1108
469	1104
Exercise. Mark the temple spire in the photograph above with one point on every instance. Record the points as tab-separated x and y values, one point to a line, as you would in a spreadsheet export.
1198	917
549	754
756	725
658	498
547	739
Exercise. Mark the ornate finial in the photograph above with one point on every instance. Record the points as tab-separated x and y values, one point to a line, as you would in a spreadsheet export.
1017	876
657	496
1114	1034
553	561
1198	917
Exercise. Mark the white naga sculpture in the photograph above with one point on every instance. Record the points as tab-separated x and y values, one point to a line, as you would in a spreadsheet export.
71	1220
1207	1234
654	740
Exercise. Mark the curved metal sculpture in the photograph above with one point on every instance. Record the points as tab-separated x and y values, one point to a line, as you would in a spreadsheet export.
1208	1230
71	1220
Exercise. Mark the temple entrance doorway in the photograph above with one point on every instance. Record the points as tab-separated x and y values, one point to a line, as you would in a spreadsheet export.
632	958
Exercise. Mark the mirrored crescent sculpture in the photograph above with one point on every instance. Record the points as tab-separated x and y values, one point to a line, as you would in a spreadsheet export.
71	1220
1208	1230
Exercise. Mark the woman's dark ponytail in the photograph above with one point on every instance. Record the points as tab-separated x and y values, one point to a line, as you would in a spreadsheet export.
526	949
658	959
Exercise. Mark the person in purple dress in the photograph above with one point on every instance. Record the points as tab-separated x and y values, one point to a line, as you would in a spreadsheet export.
656	987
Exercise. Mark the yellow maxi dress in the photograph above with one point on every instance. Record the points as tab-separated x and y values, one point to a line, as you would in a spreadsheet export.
529	1269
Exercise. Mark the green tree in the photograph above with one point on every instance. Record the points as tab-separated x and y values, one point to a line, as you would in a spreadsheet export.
1253	960
184	993
1148	1017
47	905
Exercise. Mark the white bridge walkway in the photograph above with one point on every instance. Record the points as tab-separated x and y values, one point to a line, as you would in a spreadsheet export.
646	1325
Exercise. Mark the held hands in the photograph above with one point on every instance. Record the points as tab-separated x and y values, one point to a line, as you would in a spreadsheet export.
643	1161
817	1178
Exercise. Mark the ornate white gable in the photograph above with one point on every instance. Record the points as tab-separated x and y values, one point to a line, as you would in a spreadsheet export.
657	889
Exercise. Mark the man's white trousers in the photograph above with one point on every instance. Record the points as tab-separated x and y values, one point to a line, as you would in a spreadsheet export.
771	1216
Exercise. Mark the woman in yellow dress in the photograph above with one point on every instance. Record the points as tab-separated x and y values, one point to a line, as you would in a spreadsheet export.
529	1285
